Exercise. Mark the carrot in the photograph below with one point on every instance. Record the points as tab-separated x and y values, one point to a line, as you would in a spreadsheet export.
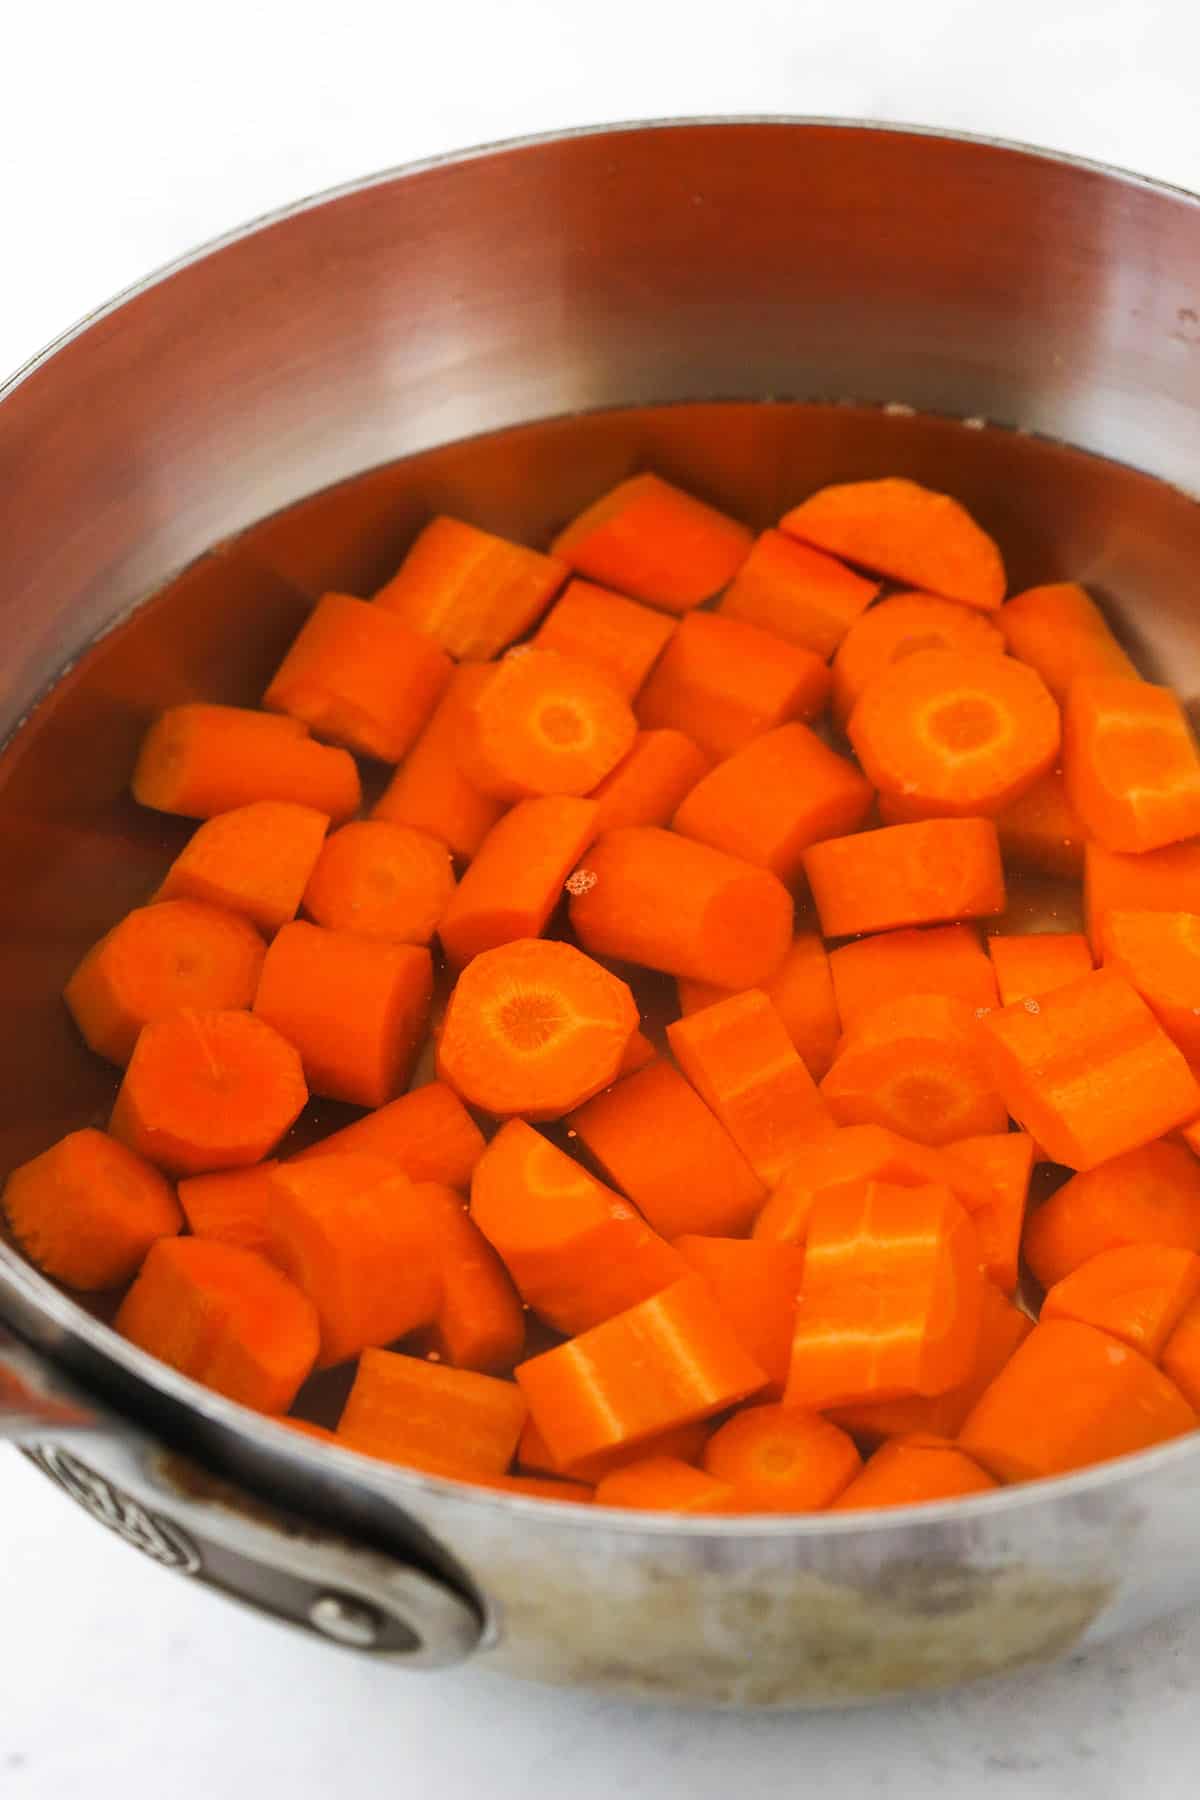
639	1052
381	881
199	760
156	961
429	792
1161	881
892	1297
1158	953
724	682
470	591
306	1428
1088	1070
544	724
1181	1356
1061	632
914	1065
425	1416
617	636
428	1133
1147	1196
901	626
87	1210
255	860
208	1090
1041	832
906	532
651	897
663	1484
648	786
1069	1397
740	1060
359	675
226	1318
926	874
781	1459
516	879
945	959
652	540
479	1322
536	1487
682	1443
1130	763
801	993
577	1252
355	1008
755	1285
1005	1161
773	798
534	1028
654	1138
798	593
232	1207
911	1470
353	1235
1031	963
1137	1293
960	735
666	1361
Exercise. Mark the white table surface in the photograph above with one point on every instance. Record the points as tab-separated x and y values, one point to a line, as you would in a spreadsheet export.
129	132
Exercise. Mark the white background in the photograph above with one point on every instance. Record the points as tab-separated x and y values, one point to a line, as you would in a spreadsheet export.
128	132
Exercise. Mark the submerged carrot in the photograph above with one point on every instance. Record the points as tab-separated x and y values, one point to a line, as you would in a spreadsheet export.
926	874
199	760
516	878
479	1321
87	1210
798	593
617	636
682	1443
1031	963
914	1065
426	1416
1130	763
652	540
639	1052
724	682
1042	832
428	1133
1181	1356
1161	881
1061	632
470	591
382	881
233	1206
781	1459
1137	1293
801	993
901	626
1158	953
756	1286
254	860
944	959
652	781
1147	1196
910	1470
429	791
544	724
663	1484
1005	1161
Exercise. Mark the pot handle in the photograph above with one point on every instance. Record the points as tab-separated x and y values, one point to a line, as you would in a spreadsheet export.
277	1562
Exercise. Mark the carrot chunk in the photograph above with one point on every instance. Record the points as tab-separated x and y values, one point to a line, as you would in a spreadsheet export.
428	1133
798	593
1061	632
856	1154
156	961
682	1443
1137	1293
544	724
234	1206
87	1210
945	959
381	881
429	791
255	860
470	591
724	682
1161	881
1158	953
1130	763
1181	1356
649	785
615	635
639	1052
1005	1161
756	1286
909	1471
199	760
1041	832
901	626
1031	963
516	879
1147	1196
536	1487
924	874
781	1459
915	1066
480	1321
425	1416
801	993
663	1484
652	540
906	532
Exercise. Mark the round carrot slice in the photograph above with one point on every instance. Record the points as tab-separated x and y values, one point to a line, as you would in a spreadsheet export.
545	724
381	881
901	626
781	1459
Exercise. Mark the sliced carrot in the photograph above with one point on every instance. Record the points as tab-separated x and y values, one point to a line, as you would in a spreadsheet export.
914	1065
724	682
544	724
781	1459
516	879
428	1133
470	591
901	626
638	1053
927	874
226	1318
1061	632
255	860
208	1090
232	1207
663	1484
945	959
909	1471
908	533
1158	953
1088	1070
652	540
1031	963
1041	831
355	1008
649	785
425	1416
798	593
1181	1357
1005	1161
1147	1196
199	760
429	791
1130	763
536	1487
533	1029
617	636
801	993
665	1362
648	896
682	1443
655	1139
577	1252
1069	1397
156	961
381	881
1137	1293
87	1210
773	798
480	1321
756	1286
1161	881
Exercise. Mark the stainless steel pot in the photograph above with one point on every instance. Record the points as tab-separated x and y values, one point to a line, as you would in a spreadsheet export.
638	268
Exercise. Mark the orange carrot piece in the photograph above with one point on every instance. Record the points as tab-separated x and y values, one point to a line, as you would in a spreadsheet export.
945	959
801	993
912	1470
232	1207
724	682
1061	632
1005	1161
781	1459
654	1138
682	1443
199	760
429	791
1161	881
1180	1359
914	1065
892	1297
87	1210
355	1008
638	1053
1137	1293
617	636
255	860
740	1060
798	593
226	1318
1088	1070
424	1416
1158	953
901	626
470	591
428	1133
773	798
1071	1396
157	961
306	1428
663	1484
480	1322
1031	963
908	533
649	785
516	878
537	1487
756	1286
533	1029
381	881
577	1252
1147	1196
208	1090
665	1362
652	540
926	874
1041	832
648	896
544	724
1130	763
